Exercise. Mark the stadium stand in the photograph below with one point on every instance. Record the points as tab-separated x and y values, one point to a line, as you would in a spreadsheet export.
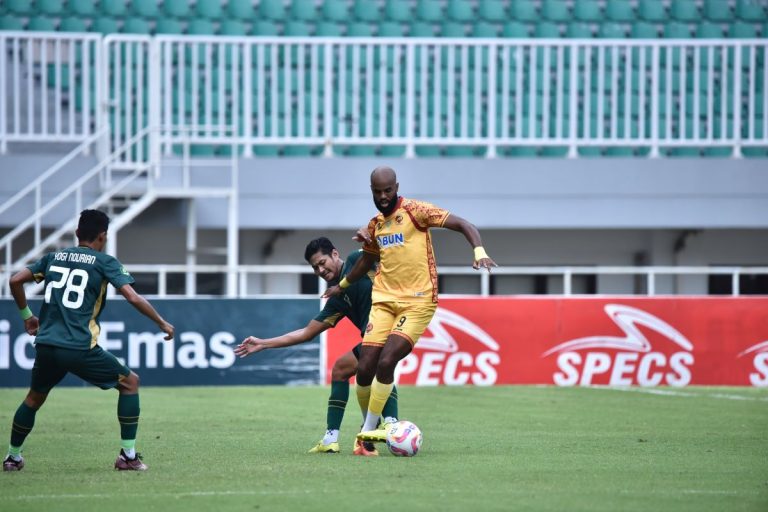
549	19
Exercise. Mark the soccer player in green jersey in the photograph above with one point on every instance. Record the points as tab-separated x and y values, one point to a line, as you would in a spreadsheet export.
67	333
355	304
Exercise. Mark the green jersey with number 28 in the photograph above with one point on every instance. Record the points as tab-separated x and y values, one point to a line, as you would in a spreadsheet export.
75	292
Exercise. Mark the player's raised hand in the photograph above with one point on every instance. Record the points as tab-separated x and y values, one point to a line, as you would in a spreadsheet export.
332	291
485	263
31	325
250	345
168	329
362	235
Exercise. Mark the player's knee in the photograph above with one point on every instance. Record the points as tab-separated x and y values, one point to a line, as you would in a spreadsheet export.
343	369
130	384
35	400
341	372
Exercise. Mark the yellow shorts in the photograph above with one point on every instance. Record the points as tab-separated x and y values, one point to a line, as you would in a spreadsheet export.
406	319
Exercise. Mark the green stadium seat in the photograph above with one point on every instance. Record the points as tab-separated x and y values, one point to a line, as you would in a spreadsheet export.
611	31
752	10
718	10
105	26
264	28
428	151
116	8
73	24
519	151
685	10
209	9
296	28
578	31
84	8
272	10
555	10
398	10
22	7
464	151
136	26
392	151
8	22
177	9
201	27
233	27
587	10
643	30
41	24
365	10
50	7
145	8
168	26
484	29
742	30
460	10
453	29
358	29
361	151
709	30
515	30
676	30
241	10
546	29
328	29
430	11
421	29
524	10
335	10
620	11
391	29
492	10
303	10
652	10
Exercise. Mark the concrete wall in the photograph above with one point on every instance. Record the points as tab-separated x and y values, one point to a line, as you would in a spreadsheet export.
301	193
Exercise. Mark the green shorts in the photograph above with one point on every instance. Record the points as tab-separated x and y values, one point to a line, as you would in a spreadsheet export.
96	366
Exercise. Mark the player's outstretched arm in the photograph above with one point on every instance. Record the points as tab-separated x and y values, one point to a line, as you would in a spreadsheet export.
470	232
252	344
362	266
18	280
146	309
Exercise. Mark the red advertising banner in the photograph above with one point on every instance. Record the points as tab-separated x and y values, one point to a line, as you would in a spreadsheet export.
616	341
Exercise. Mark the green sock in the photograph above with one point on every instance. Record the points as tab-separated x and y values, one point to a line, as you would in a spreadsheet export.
128	416
23	421
337	402
390	407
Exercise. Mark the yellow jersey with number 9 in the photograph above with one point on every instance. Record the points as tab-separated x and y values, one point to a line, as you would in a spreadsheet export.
407	269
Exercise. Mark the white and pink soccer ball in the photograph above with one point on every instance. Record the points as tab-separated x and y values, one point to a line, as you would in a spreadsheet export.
404	439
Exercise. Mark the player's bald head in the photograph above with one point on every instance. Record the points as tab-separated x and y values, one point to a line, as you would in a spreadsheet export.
382	175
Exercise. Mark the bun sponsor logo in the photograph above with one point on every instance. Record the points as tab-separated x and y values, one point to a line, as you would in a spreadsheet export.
759	354
630	359
452	351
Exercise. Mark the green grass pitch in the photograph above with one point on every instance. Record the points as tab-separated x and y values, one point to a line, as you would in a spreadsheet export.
500	448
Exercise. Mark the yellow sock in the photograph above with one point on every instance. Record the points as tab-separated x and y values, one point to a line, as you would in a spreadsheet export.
363	397
379	396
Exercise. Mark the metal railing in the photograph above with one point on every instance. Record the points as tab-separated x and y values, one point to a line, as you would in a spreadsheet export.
244	276
490	95
49	87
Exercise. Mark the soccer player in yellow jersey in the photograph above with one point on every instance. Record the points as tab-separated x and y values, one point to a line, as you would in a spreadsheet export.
404	295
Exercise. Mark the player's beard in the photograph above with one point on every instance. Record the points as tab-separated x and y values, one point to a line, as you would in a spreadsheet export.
390	208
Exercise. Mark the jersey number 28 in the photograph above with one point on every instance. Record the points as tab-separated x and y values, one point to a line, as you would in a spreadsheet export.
67	281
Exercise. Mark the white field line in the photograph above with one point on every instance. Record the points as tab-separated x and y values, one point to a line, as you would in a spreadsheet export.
197	494
667	392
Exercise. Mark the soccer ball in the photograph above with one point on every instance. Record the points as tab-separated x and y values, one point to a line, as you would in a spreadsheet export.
404	439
